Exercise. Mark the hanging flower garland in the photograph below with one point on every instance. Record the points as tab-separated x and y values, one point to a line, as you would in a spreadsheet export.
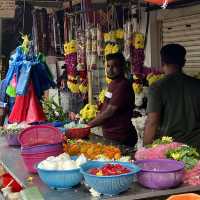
138	54
153	77
128	38
138	90
114	35
81	51
70	53
101	96
82	66
99	41
110	48
83	86
93	61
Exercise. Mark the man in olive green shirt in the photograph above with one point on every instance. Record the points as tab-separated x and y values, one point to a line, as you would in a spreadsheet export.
174	102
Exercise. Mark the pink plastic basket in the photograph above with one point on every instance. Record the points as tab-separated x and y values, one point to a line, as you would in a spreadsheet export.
38	135
31	160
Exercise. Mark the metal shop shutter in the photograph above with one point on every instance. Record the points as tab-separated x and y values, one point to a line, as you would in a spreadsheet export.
185	31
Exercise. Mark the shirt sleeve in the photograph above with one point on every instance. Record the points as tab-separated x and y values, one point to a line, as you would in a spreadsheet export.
154	101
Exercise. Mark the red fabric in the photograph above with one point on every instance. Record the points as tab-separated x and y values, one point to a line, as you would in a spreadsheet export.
159	2
7	178
19	110
27	108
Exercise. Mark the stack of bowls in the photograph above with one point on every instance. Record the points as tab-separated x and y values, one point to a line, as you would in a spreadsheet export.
35	154
39	143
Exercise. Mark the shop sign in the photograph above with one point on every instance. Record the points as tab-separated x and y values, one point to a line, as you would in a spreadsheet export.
7	8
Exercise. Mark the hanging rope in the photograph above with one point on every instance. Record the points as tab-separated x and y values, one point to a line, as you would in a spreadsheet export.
108	20
139	16
23	18
116	18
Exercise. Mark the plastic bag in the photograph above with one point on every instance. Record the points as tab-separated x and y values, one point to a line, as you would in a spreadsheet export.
11	91
23	78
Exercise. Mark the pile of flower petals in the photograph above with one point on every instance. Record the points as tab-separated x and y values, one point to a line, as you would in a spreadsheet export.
158	152
192	176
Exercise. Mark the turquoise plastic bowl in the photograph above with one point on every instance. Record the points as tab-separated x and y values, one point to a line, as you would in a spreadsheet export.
62	179
109	185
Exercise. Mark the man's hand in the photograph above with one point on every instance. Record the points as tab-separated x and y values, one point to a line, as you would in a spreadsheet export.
72	116
63	84
151	127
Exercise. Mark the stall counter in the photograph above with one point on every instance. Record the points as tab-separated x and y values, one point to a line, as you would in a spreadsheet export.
12	161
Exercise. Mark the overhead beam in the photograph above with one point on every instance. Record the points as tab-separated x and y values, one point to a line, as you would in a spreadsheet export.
54	4
103	6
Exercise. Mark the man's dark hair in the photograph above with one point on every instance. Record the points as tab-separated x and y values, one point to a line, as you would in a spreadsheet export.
173	54
116	56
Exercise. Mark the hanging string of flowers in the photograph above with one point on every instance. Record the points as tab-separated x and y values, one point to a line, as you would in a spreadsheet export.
128	37
70	52
99	41
81	59
152	78
138	53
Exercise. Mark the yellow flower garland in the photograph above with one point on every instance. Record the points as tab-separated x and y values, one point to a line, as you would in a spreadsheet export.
73	87
114	35
152	78
101	96
139	41
83	88
111	49
119	34
137	87
70	47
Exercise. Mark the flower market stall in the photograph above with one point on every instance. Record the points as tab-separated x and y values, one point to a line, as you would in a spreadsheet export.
47	155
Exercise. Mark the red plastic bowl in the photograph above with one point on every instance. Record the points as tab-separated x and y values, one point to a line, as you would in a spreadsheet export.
78	133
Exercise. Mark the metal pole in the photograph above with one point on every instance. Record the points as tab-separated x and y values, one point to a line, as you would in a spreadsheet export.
0	36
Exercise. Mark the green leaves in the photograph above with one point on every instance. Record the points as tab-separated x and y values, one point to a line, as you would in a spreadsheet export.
163	140
187	154
53	111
